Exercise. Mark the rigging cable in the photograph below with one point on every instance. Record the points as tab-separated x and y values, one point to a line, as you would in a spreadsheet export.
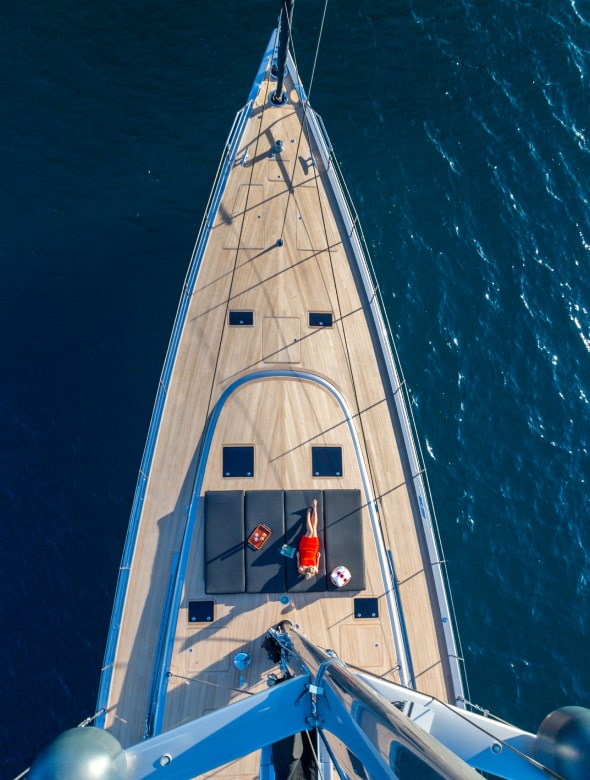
316	758
305	107
305	128
208	682
317	48
357	228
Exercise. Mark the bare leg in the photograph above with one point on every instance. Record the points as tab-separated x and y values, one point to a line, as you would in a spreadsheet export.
312	519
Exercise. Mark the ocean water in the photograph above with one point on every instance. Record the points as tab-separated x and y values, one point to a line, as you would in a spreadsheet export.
463	130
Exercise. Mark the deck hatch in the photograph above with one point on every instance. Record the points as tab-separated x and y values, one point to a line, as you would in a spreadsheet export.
238	461
326	461
201	611
319	319
366	608
241	318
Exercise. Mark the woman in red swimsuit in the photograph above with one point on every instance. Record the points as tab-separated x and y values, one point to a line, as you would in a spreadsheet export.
308	555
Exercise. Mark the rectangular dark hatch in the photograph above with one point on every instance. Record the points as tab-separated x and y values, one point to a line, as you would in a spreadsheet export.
201	611
320	319
241	318
366	608
238	461
326	461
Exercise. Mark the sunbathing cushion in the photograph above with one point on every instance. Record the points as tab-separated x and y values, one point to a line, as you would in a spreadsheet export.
297	503
224	542
265	568
344	536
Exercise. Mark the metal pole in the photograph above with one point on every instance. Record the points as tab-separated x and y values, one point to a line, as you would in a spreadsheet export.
278	97
346	707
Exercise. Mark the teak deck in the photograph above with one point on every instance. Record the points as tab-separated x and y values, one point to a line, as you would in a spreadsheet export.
282	414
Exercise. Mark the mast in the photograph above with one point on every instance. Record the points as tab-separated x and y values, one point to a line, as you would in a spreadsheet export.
278	97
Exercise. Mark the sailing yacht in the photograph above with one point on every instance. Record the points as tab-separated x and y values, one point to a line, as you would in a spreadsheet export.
282	414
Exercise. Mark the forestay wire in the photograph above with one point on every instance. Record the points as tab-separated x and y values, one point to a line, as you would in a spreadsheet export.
309	89
317	49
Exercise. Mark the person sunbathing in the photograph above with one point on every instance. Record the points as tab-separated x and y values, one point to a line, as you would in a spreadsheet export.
308	554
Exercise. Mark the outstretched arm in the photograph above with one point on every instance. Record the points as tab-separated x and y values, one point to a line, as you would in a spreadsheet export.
299	569
317	568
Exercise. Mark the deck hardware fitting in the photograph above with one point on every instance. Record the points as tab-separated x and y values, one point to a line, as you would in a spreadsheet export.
242	661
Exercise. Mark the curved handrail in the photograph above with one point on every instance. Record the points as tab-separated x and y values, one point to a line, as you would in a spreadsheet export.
394	607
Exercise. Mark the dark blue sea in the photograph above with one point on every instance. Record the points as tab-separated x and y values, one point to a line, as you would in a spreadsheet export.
463	129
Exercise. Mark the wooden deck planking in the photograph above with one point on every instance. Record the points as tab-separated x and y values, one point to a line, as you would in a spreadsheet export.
282	419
